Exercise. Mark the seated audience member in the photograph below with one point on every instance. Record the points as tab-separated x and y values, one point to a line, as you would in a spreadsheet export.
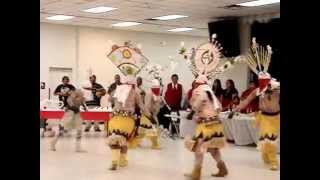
228	94
112	88
217	89
189	94
235	102
97	91
254	105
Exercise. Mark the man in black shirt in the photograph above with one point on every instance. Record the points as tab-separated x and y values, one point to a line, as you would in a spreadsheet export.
113	86
97	91
63	90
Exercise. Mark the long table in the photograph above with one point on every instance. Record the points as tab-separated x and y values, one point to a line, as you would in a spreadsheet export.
86	115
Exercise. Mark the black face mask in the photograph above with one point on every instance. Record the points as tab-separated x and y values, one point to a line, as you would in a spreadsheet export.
268	92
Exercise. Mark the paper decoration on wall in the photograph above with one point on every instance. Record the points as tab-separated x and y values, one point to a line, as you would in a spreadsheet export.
128	58
173	64
229	64
182	50
155	71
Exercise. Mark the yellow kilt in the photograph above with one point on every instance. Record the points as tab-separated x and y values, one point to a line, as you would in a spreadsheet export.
121	125
211	133
145	122
269	126
146	127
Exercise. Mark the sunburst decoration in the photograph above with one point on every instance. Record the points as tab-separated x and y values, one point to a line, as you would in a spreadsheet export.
229	64
206	59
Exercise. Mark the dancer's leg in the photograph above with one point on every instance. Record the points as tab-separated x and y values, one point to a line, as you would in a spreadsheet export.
123	156
272	156
55	139
196	172
78	141
215	153
155	142
115	157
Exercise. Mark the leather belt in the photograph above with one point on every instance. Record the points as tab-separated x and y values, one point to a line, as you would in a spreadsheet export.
208	120
270	113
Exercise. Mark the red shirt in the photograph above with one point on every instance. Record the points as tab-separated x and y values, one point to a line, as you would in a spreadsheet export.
254	105
173	96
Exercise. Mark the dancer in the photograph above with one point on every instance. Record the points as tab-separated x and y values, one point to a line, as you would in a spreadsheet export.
72	118
268	118
121	127
209	136
148	127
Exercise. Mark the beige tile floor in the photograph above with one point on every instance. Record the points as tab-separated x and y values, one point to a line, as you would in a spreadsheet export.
170	163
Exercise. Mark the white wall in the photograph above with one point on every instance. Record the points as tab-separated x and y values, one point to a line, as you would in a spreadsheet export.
57	49
82	47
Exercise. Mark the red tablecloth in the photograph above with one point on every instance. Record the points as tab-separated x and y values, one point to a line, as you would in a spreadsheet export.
105	116
51	114
96	115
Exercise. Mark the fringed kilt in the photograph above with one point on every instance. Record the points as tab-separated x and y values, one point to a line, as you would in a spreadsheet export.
269	128
120	129
210	134
146	128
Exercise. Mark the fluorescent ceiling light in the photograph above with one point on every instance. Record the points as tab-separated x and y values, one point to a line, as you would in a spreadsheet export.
180	29
100	9
259	3
126	24
59	17
169	17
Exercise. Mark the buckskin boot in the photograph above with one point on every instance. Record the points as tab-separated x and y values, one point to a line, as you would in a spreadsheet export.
223	171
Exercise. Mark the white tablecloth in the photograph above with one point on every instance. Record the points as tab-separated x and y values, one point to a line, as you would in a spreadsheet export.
187	127
240	128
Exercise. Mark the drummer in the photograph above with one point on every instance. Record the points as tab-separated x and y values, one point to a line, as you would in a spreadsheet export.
97	91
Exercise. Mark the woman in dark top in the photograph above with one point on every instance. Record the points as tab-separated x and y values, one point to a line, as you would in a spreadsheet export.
228	94
217	89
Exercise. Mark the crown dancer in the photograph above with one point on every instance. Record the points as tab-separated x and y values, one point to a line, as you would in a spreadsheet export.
72	119
209	135
268	118
148	127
